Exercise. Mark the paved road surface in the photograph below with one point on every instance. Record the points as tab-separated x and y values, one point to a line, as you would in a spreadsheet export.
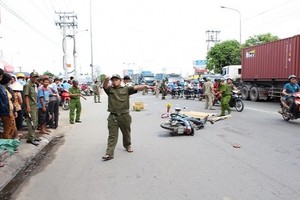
204	166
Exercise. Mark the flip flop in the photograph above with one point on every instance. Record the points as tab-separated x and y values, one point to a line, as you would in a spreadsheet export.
107	157
129	149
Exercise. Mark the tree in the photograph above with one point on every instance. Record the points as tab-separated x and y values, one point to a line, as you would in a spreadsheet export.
223	54
49	74
260	39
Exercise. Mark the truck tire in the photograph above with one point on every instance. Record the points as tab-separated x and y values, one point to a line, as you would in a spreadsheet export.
244	93
254	95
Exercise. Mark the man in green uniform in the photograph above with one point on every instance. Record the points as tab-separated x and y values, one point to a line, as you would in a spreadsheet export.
30	100
96	91
75	103
163	89
226	95
118	106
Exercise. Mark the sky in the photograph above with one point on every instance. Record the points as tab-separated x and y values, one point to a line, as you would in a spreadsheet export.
153	35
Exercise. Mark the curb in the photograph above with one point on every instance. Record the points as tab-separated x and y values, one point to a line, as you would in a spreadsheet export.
19	165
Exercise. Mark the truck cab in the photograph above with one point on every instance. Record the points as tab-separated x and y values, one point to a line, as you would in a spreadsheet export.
232	71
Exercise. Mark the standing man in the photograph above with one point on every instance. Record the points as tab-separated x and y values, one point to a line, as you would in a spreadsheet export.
208	90
118	106
226	95
163	89
75	103
54	104
96	91
43	102
31	105
127	80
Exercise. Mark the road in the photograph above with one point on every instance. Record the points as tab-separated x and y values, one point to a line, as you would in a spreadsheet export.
204	166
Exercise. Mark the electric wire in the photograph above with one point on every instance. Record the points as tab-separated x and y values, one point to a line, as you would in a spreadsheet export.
18	16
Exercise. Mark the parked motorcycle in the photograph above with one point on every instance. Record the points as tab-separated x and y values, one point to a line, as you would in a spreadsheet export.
285	113
190	93
180	124
65	100
176	92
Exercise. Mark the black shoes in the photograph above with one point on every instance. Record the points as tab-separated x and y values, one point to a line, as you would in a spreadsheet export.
78	121
34	142
37	139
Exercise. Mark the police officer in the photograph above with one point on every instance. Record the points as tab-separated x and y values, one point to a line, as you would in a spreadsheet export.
226	95
31	106
96	91
75	103
118	106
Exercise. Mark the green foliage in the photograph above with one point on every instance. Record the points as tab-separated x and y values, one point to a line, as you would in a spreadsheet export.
260	39
223	54
49	74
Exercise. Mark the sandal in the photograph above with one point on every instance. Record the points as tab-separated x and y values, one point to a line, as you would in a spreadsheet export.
44	133
107	157
129	149
1	164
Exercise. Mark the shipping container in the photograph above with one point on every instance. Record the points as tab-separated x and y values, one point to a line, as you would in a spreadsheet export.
266	67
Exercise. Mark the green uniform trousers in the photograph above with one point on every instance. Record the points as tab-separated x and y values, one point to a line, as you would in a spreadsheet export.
115	122
75	104
225	104
96	97
32	123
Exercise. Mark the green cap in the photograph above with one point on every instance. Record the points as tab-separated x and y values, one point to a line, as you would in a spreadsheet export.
115	76
34	74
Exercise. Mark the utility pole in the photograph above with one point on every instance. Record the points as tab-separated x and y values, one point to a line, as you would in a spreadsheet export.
212	36
68	23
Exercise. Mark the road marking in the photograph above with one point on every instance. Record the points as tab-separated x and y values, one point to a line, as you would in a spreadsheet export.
269	112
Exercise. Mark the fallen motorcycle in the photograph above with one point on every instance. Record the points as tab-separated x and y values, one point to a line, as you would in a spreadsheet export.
180	124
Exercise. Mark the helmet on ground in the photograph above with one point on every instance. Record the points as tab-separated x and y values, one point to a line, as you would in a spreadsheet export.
292	76
20	75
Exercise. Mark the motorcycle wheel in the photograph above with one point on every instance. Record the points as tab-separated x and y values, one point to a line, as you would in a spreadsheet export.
239	105
285	115
65	105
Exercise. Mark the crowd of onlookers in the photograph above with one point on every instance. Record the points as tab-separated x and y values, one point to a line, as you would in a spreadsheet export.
20	96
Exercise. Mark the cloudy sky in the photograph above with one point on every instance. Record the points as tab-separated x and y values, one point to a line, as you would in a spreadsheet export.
135	34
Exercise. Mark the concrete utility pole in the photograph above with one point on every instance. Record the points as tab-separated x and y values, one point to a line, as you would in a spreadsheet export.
212	36
68	23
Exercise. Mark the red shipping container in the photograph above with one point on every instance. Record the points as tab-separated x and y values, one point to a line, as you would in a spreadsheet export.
273	61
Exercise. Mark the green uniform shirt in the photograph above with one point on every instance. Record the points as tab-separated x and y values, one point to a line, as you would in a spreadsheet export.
118	99
30	90
73	90
225	90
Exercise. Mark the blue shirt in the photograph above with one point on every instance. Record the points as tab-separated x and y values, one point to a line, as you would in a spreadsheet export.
66	86
43	93
291	88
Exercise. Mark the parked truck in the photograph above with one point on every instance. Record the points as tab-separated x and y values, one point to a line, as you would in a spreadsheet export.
266	67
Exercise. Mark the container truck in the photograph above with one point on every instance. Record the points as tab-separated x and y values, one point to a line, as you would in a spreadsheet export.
266	67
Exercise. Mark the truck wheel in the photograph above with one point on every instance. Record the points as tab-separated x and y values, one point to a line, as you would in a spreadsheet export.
245	93
254	94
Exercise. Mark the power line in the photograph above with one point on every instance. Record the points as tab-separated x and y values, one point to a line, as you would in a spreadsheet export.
268	10
18	16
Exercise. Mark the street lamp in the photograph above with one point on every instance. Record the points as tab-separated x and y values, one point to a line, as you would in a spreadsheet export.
240	20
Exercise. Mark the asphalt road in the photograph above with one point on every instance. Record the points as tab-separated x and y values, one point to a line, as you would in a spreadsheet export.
204	166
